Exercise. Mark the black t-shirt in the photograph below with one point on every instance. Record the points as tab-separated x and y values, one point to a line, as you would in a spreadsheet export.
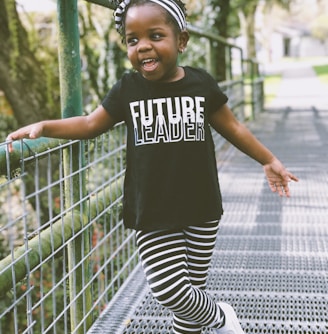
171	175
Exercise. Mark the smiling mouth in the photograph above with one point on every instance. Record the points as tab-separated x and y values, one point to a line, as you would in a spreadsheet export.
149	64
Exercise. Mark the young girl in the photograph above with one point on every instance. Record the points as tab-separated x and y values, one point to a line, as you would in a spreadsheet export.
171	193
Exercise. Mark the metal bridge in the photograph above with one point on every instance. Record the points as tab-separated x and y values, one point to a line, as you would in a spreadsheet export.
67	265
271	260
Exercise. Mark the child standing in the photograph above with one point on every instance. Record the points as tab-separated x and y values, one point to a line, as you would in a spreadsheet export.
171	192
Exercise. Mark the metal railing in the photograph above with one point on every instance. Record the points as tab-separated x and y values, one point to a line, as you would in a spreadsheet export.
64	252
39	286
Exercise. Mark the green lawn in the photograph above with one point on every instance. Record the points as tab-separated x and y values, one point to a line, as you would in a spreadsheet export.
322	72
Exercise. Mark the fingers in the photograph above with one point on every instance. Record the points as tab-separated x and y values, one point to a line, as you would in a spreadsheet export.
293	177
15	136
30	131
10	147
279	178
273	188
283	190
9	139
282	186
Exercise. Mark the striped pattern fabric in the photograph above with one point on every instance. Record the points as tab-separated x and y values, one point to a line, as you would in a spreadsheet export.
173	8
176	264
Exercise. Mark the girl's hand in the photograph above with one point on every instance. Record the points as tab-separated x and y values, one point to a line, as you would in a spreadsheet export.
278	177
32	131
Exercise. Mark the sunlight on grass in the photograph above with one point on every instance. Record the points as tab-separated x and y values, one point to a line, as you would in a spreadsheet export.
322	73
271	86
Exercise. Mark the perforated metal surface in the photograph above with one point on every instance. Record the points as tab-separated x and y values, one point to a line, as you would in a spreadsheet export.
271	258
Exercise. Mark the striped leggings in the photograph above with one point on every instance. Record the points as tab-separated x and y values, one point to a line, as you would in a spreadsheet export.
176	265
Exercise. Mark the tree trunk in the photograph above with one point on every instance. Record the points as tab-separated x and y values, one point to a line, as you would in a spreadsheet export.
22	75
247	22
221	25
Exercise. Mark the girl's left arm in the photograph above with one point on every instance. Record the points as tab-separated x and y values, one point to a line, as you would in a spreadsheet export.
225	123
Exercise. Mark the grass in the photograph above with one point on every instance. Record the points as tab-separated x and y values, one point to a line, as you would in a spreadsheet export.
271	86
322	73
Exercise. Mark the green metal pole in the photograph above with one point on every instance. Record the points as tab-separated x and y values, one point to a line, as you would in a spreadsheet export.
71	104
69	58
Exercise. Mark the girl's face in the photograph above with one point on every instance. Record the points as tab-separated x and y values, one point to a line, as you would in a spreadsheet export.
153	44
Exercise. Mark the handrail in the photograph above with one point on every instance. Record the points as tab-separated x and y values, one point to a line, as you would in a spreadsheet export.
52	238
200	33
27	148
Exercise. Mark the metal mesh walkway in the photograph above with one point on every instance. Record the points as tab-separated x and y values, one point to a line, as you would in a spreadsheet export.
271	258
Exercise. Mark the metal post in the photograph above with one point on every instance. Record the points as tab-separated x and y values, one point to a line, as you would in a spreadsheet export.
252	87
69	58
228	58
71	105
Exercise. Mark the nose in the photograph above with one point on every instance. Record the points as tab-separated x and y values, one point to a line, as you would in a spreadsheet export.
144	45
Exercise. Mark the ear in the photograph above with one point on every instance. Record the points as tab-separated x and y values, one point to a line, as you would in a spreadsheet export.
183	40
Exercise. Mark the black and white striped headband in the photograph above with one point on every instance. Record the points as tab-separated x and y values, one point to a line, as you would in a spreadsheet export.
175	11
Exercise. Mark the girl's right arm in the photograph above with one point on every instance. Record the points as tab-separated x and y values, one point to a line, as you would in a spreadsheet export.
79	127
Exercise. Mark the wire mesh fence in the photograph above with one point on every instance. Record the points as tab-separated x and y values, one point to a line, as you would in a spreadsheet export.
62	259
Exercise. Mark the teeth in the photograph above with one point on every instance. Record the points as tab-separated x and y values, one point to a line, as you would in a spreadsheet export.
148	61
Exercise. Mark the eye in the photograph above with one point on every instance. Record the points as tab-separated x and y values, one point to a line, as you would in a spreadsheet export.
156	36
132	41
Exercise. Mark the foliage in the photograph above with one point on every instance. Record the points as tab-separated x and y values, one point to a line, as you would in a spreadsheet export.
319	28
7	124
13	29
102	53
103	56
29	79
247	12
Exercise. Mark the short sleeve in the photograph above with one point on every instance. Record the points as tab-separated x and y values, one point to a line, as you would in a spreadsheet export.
113	103
216	97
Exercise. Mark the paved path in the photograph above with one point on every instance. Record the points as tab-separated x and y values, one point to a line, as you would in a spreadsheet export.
301	88
271	257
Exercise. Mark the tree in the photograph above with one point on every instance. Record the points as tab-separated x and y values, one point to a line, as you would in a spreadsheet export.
212	16
103	54
24	77
221	26
319	28
247	12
